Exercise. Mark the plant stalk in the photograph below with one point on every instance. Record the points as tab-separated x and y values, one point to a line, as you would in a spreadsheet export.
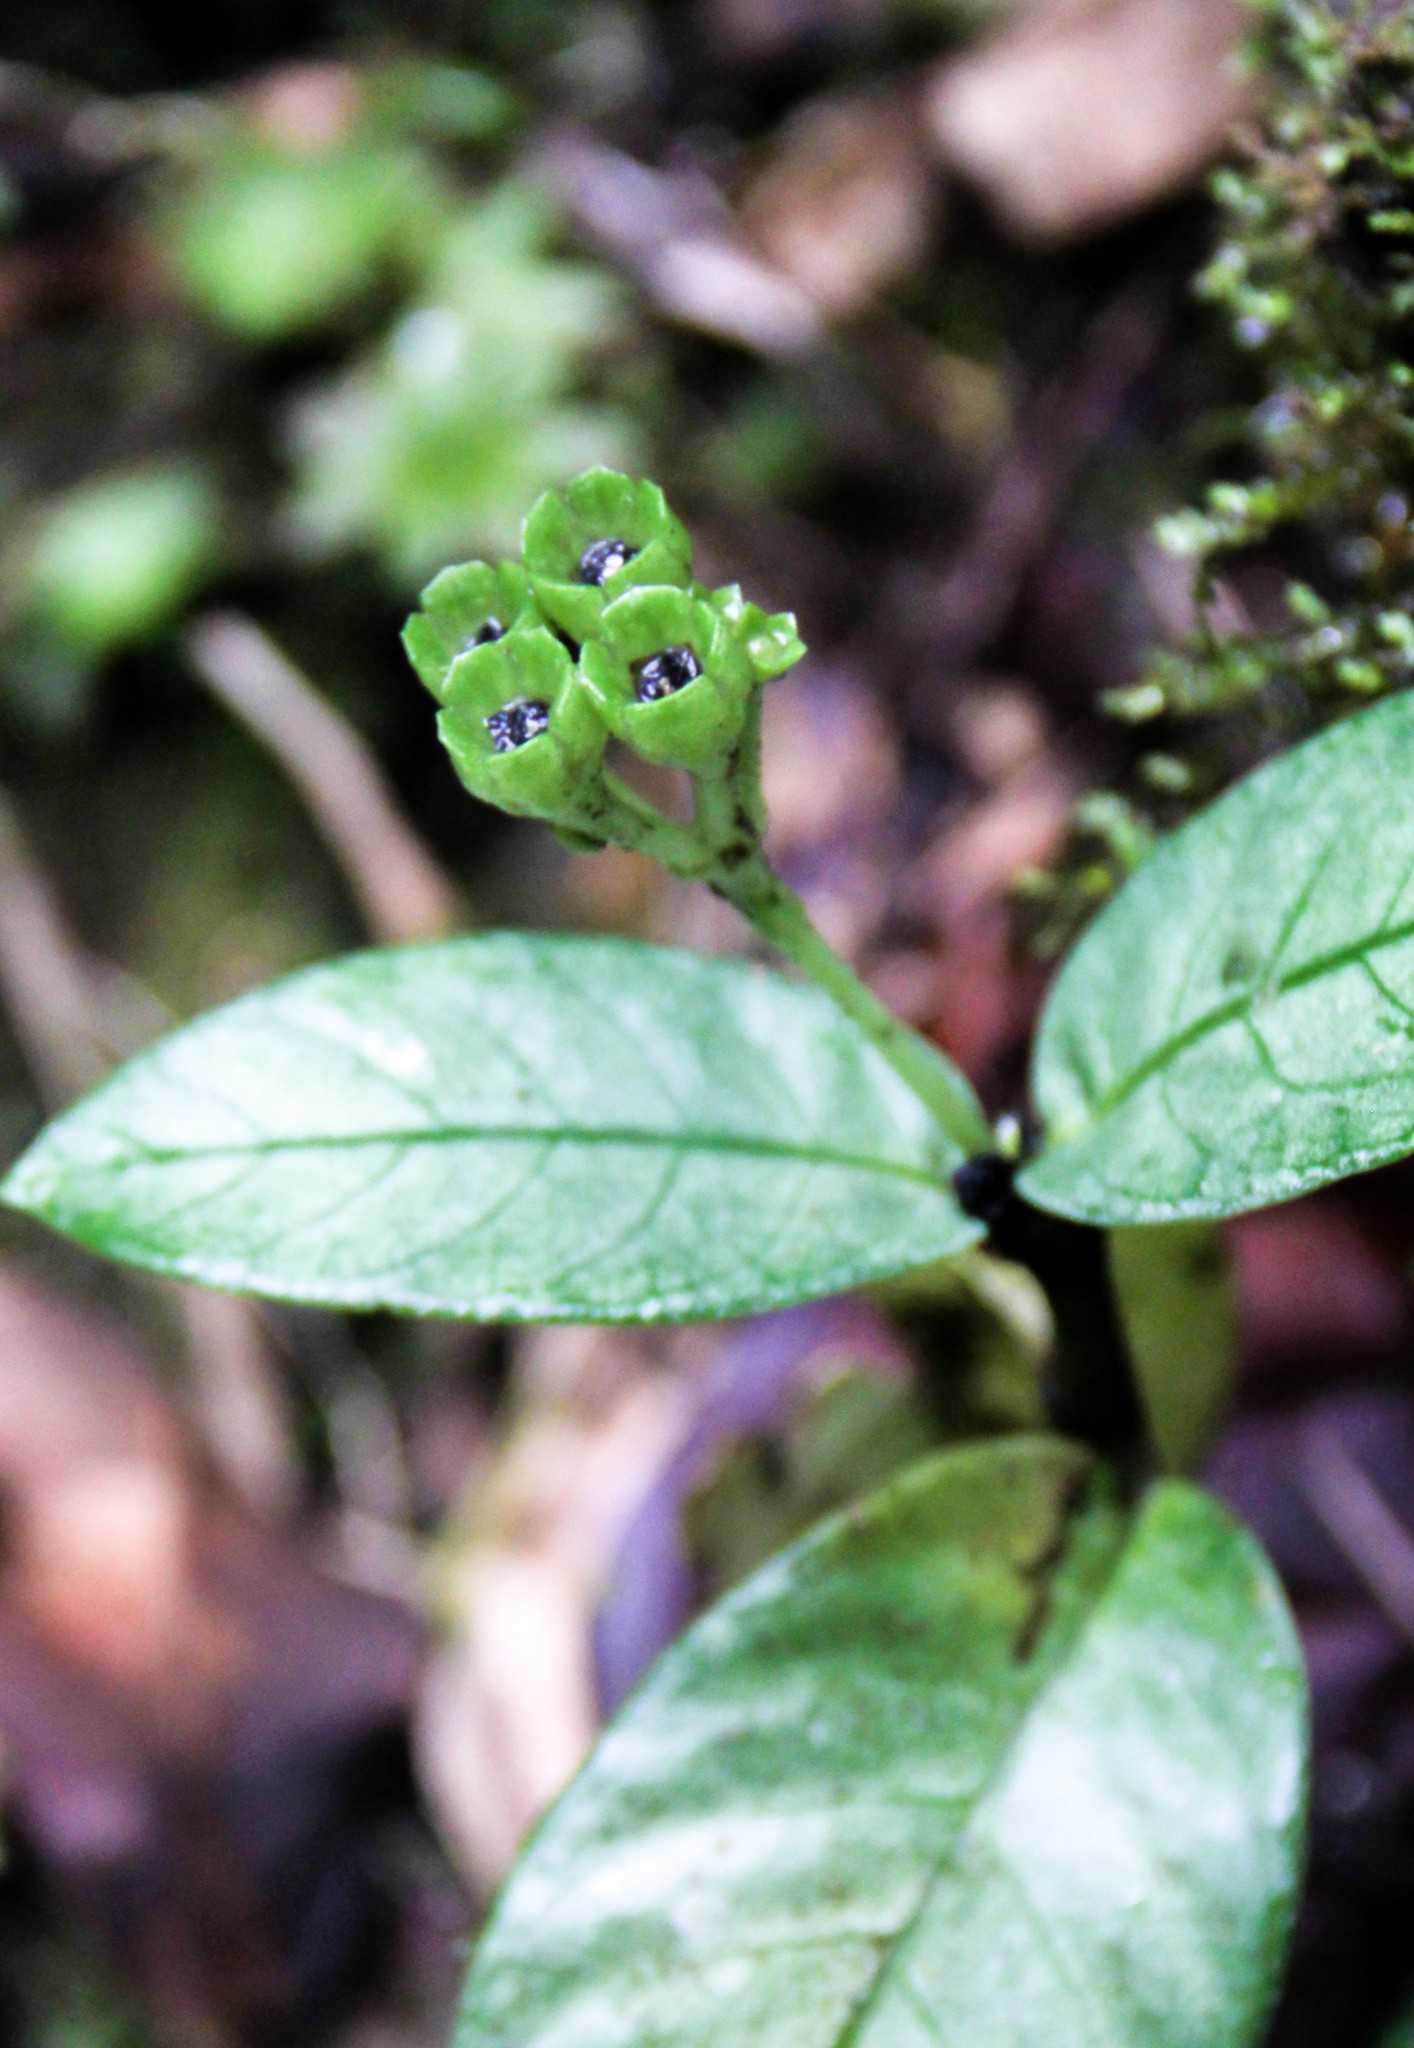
780	917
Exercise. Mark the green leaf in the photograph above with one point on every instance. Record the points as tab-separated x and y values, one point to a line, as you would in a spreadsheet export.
1177	1304
429	444
113	559
449	102
1238	1024
270	240
510	1126
985	1763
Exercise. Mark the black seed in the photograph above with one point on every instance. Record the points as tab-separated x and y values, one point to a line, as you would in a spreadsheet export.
514	724
661	674
602	557
489	630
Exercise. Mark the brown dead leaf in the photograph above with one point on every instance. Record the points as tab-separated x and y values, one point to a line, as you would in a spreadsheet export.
842	207
1310	1283
507	1709
830	763
961	883
757	31
306	108
183	1697
1019	825
674	232
1083	112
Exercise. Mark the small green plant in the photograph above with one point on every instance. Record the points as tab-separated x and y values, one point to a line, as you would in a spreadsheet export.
1016	1744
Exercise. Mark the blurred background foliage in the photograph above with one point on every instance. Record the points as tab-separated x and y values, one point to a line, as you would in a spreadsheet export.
302	1619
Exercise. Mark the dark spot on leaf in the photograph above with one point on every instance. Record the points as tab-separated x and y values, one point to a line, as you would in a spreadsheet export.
661	675
514	724
1039	1570
1239	965
602	557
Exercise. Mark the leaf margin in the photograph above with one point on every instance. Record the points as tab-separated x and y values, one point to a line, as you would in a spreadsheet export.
35	1186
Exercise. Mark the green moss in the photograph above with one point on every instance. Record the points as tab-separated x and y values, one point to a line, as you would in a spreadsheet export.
1313	268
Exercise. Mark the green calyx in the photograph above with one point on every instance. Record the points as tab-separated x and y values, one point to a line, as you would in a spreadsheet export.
670	677
599	632
602	535
674	671
522	730
468	606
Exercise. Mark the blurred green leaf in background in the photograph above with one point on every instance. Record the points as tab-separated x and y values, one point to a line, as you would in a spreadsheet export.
111	560
431	443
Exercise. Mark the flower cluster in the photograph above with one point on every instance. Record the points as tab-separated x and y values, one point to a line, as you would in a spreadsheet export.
598	633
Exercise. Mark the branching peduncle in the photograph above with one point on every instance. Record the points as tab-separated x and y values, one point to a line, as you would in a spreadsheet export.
601	634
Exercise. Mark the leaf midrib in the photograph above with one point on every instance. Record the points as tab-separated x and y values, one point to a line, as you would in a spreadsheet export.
730	1142
1068	1511
1242	1005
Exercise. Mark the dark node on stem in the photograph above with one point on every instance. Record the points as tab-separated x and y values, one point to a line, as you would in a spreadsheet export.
602	557
661	675
514	724
489	630
983	1186
1089	1390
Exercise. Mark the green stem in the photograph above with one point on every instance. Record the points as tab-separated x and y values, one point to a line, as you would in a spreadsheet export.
630	820
780	916
728	811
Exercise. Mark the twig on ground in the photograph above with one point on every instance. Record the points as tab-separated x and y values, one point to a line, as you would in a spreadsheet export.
1361	1523
401	891
677	235
45	983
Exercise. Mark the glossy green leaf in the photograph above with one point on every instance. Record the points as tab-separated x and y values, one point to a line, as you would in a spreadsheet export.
1238	1024
1178	1308
985	1763
510	1126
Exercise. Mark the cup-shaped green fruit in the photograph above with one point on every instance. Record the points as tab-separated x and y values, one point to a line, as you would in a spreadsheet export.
672	676
600	536
522	729
466	607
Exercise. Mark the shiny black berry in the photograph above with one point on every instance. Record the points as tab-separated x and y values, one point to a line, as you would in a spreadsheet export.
514	724
602	557
489	630
661	674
